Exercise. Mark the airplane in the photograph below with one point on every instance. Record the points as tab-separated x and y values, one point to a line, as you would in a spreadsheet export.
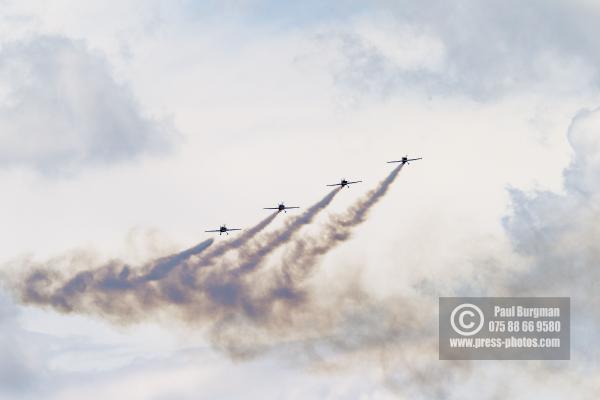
224	229
405	160
344	183
281	207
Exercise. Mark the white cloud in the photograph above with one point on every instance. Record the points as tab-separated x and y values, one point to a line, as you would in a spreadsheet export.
479	49
558	233
61	109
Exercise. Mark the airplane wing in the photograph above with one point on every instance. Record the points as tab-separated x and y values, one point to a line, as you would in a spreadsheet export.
389	162
354	182
234	229
272	208
415	159
214	231
287	208
335	184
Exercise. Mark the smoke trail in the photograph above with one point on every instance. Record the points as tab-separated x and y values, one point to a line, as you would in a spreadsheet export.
358	212
269	301
218	286
102	288
305	251
240	240
255	253
216	294
161	267
118	291
278	302
211	291
249	298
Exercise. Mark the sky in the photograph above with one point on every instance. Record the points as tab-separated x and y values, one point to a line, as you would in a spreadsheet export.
129	128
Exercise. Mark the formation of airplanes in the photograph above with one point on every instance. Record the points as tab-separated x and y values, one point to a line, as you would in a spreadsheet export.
282	207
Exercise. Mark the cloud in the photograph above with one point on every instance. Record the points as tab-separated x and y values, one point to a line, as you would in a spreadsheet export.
61	109
558	232
18	370
342	318
472	48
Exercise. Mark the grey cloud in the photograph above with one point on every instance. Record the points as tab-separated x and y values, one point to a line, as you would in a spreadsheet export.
558	233
61	109
19	374
557	236
489	48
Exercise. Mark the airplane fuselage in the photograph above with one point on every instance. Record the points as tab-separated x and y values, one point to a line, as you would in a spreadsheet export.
405	160
281	207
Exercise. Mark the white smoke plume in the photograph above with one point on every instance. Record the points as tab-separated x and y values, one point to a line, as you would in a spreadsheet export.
304	251
255	252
